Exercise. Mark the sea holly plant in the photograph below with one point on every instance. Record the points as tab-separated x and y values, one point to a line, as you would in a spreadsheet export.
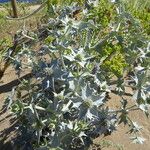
65	104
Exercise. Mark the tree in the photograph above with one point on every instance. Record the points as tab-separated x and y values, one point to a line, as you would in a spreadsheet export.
14	7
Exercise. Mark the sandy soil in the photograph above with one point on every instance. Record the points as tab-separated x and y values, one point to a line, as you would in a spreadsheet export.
120	136
9	27
33	7
7	122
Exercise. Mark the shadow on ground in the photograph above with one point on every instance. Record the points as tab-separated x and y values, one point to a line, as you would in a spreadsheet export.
8	86
9	135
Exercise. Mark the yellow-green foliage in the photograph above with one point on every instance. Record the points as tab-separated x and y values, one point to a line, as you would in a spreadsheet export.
140	9
144	17
104	13
116	63
2	18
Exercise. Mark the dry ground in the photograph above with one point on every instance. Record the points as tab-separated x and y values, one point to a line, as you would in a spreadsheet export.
9	27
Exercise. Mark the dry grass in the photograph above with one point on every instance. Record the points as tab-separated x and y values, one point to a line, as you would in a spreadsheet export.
9	27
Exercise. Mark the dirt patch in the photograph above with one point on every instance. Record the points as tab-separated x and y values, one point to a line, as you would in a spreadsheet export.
9	27
32	7
120	136
8	124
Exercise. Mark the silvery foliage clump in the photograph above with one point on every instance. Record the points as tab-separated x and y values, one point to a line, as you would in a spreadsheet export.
65	103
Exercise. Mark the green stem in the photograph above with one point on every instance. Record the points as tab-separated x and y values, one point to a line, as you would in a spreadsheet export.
62	60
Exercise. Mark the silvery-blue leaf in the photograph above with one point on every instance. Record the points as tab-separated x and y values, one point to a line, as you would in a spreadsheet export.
70	125
89	91
82	63
98	99
77	101
65	20
113	1
89	115
82	112
84	96
138	140
94	111
72	85
69	57
56	141
144	107
143	95
77	104
135	96
95	3
66	106
82	26
139	68
48	84
136	126
63	126
9	99
31	108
